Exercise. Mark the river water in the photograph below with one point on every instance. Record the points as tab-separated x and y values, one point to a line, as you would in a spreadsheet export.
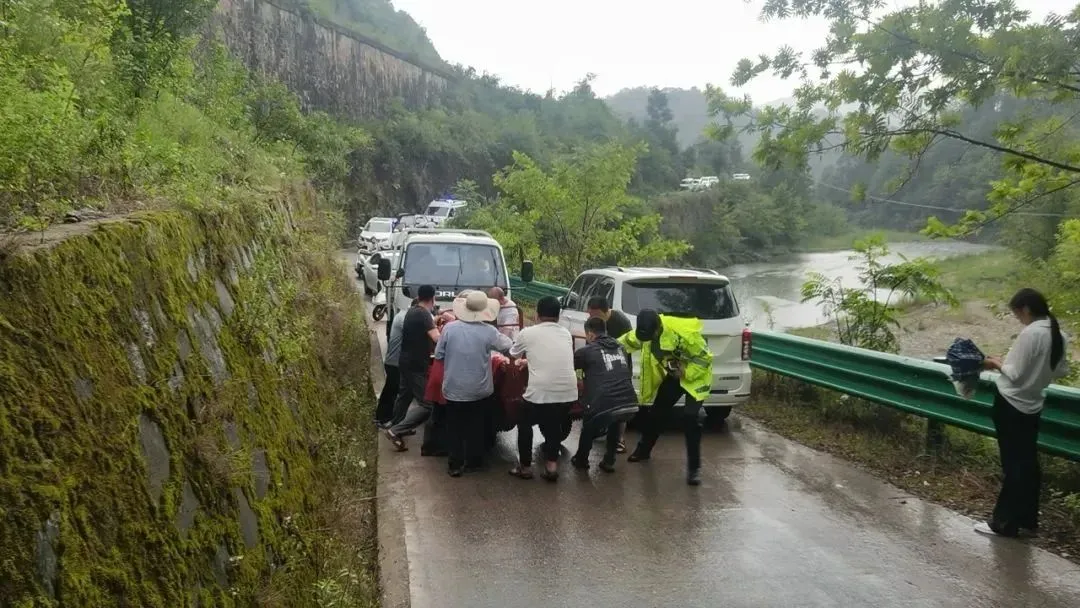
776	285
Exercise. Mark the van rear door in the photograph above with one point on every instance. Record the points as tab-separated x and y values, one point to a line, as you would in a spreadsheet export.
709	299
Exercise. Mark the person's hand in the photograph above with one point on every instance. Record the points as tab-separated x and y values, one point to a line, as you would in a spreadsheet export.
679	370
993	363
521	363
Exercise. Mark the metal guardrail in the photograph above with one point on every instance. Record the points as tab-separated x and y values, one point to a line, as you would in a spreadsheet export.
531	292
912	385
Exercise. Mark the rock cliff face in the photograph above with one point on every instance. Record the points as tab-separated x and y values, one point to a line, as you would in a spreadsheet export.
331	69
167	405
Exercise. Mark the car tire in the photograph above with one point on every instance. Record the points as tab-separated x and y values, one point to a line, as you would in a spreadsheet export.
717	416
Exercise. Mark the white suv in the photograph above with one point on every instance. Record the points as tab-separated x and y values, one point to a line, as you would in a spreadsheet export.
703	294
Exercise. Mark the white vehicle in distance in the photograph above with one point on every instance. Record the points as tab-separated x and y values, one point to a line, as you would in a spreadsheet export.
367	266
377	232
690	183
448	259
439	212
709	181
741	177
702	294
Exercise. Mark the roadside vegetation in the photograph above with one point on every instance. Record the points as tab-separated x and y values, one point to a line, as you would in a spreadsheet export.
115	106
980	144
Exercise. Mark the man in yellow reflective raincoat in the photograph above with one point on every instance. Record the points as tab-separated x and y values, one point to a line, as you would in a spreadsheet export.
675	362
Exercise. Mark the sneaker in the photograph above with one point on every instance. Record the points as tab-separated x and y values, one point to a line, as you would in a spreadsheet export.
522	472
456	472
638	457
607	467
398	442
693	478
988	529
621	448
580	463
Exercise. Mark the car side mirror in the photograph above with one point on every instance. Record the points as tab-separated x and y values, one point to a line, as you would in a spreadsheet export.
527	272
384	269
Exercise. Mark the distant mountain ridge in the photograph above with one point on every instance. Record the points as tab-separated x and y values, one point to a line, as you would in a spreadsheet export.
690	109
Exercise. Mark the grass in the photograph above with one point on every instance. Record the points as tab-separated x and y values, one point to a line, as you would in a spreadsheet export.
963	475
993	276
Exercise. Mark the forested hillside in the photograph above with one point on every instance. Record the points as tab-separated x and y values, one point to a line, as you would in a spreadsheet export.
950	178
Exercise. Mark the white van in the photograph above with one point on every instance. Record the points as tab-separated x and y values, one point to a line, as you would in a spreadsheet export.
450	260
703	294
441	211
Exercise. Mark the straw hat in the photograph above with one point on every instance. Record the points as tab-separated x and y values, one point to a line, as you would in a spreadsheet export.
475	307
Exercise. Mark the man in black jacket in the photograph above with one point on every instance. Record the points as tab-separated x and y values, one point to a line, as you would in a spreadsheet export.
609	393
616	324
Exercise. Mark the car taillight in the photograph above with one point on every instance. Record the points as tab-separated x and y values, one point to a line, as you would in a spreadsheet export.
746	344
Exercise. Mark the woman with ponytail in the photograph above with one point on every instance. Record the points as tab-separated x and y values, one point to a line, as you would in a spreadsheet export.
1036	359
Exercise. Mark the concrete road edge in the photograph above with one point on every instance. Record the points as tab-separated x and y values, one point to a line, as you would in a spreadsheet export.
393	554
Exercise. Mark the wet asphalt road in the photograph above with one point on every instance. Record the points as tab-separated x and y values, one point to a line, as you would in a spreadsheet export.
774	524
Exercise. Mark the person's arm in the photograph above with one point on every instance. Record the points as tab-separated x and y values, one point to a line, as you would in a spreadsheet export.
500	342
579	358
518	348
1020	359
630	342
440	347
432	331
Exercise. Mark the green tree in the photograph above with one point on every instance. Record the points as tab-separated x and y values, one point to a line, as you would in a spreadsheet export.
865	316
900	80
575	215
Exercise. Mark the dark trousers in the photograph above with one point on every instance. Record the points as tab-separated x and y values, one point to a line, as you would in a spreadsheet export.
419	412
552	419
1018	503
411	385
465	432
384	412
654	416
593	428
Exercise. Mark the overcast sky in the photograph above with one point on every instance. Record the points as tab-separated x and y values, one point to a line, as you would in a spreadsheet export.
626	43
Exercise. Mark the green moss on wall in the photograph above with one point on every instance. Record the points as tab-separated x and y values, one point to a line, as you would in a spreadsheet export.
164	397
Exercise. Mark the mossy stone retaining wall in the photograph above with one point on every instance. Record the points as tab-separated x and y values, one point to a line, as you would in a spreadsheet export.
162	392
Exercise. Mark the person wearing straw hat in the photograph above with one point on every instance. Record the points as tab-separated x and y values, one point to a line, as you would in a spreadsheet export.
465	348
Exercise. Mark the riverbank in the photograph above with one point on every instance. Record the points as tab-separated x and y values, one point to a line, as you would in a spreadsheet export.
847	240
983	284
965	475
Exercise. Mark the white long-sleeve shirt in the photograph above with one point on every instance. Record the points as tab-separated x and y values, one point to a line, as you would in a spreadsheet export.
1026	372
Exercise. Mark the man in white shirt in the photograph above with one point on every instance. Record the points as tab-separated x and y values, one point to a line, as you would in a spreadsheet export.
552	389
509	320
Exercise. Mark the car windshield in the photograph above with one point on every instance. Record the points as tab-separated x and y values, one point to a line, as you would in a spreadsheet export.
439	211
705	301
454	265
378	226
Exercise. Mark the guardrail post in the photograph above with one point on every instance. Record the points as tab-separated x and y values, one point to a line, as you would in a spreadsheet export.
935	437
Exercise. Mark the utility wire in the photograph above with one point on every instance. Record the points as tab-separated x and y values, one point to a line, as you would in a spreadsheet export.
937	208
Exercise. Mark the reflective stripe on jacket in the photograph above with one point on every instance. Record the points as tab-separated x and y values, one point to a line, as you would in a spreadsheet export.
682	341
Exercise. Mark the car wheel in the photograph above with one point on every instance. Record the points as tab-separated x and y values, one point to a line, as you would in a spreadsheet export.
716	416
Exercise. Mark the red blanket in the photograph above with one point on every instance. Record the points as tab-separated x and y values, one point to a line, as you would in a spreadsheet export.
510	382
433	389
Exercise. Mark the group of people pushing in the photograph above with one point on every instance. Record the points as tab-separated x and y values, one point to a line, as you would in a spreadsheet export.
483	328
